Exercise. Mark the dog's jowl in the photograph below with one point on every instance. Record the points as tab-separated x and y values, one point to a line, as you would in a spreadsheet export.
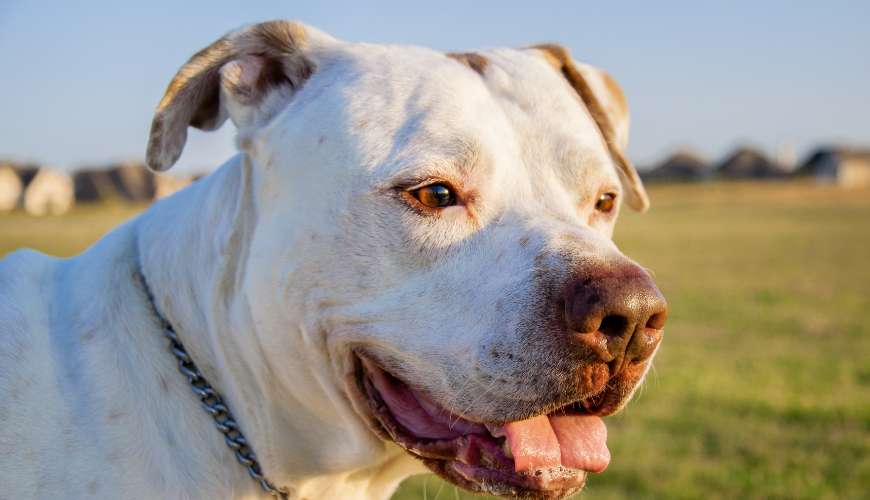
407	268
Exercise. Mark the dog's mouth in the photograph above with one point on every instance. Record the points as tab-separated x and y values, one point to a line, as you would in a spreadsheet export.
545	457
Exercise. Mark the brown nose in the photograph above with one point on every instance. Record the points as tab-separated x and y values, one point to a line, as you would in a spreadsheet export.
617	313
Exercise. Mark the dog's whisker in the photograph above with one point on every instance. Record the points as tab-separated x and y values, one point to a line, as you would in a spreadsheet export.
456	398
473	402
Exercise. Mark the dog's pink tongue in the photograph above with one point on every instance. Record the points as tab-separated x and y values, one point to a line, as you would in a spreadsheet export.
577	441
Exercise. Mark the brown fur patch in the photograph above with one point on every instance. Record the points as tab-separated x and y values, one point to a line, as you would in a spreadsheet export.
474	61
208	108
615	104
272	75
620	104
560	58
193	96
281	35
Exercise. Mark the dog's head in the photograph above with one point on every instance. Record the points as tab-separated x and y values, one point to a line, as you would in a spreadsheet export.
431	254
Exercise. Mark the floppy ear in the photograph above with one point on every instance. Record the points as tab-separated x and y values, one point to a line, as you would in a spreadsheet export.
606	103
246	76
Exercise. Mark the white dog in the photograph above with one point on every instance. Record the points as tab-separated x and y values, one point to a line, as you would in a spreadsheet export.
408	266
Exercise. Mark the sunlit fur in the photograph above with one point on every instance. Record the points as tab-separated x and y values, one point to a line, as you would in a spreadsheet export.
295	253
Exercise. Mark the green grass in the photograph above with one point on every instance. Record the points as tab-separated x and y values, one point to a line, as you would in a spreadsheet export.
763	380
761	388
63	236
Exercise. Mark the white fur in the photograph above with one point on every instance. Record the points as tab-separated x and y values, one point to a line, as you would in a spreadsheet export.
279	264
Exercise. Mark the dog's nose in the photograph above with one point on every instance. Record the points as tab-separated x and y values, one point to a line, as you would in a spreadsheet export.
618	313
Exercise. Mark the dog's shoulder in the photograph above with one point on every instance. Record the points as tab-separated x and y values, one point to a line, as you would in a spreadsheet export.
24	352
23	278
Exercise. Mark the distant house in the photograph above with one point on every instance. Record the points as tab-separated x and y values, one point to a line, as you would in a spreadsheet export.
847	167
129	182
748	163
11	187
134	181
50	191
681	167
94	185
27	173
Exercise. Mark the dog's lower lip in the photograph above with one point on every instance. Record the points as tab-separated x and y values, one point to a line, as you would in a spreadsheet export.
473	457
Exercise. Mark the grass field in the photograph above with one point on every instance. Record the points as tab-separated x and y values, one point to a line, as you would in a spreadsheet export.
761	389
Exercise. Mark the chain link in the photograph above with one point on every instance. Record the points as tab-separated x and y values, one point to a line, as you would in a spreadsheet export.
212	403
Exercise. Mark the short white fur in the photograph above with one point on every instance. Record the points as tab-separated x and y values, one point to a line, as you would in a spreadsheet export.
289	257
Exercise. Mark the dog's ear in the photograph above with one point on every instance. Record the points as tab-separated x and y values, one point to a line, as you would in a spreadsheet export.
606	103
247	76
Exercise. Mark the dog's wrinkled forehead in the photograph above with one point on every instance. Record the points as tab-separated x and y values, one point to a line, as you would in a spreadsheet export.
499	111
534	110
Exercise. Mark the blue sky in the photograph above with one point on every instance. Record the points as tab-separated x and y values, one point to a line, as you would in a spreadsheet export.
81	80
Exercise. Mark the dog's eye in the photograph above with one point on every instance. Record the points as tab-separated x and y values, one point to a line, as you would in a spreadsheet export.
604	203
435	196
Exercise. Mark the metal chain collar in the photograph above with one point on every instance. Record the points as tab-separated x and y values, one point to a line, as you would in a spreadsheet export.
212	403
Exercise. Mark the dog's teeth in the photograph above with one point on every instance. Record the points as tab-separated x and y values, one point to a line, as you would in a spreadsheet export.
506	447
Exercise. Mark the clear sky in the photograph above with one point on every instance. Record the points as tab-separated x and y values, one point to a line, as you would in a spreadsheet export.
80	80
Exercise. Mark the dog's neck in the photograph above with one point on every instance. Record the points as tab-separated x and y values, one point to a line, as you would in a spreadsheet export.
183	242
208	228
121	399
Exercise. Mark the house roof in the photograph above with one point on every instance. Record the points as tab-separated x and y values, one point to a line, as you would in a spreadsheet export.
681	165
821	155
749	163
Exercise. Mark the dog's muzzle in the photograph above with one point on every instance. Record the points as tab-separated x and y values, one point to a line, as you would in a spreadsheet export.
611	322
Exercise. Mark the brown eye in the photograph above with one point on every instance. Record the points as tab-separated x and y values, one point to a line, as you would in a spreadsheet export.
604	203
435	196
